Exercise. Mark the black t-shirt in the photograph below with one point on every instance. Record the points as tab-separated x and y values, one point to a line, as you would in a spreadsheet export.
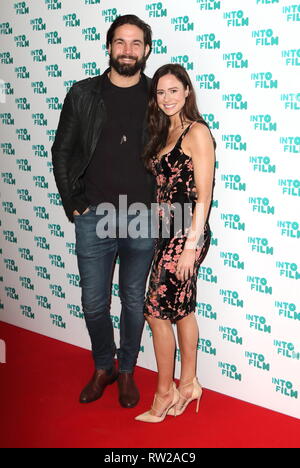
116	167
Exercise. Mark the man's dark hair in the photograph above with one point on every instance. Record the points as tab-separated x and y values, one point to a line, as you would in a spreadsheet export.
136	21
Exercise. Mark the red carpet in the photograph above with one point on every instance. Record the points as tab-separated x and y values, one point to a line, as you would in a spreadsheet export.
41	382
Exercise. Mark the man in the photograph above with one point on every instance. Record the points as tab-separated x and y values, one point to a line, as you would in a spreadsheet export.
96	158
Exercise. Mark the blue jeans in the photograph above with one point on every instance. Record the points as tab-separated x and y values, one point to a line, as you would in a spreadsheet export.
96	260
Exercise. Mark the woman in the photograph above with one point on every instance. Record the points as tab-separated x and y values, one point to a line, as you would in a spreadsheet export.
181	155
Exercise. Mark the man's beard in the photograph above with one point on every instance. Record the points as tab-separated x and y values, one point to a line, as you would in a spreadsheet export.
126	69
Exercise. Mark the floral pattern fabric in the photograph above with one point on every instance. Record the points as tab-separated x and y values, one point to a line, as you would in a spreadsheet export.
168	297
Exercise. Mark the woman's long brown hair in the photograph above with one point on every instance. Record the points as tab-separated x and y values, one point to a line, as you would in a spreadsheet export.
158	121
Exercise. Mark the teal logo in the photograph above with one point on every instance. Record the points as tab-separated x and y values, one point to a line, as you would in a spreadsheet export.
235	60
42	301
232	260
206	274
56	261
231	298
71	20
290	144
40	151
26	311
115	322
285	388
208	81
39	87
5	28
206	311
288	270
40	211
115	290
68	84
11	292
156	10
56	230
9	207
40	182
24	225
260	245
53	4
91	34
51	135
262	164
10	264
231	335
292	57
158	47
289	229
53	38
42	272
265	37
26	283
73	280
230	371
291	101
38	55
75	311
10	236
110	15
184	61
263	123
7	119
261	205
211	121
57	321
25	254
292	12
236	19
286	349
91	69
182	23
208	41
24	195
57	291
259	285
38	24
92	2
206	346
233	182
70	246
8	178
7	148
234	102
266	2
209	4
41	242
22	134
22	104
54	103
7	89
21	8
287	310
258	323
234	142
55	199
233	221
71	53
264	80
22	73
257	360
39	119
53	71
290	187
5	58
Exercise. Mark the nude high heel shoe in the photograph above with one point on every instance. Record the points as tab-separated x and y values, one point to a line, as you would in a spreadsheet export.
178	409
151	418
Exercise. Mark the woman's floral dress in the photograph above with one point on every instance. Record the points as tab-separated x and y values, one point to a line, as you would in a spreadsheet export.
168	297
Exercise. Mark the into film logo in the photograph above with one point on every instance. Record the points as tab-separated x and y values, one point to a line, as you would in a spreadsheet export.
2	92
2	352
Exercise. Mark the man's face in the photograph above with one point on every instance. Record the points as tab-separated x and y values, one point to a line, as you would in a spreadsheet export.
127	50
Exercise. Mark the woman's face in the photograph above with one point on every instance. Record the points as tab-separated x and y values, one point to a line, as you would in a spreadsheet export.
171	95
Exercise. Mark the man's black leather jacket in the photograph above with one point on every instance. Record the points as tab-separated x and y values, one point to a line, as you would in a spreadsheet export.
81	121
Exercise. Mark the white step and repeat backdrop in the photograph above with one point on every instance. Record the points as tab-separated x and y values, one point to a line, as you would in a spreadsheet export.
243	58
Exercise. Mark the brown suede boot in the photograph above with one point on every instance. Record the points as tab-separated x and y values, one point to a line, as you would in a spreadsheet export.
129	395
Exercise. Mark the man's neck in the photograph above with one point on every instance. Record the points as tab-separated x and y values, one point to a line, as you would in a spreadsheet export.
123	81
